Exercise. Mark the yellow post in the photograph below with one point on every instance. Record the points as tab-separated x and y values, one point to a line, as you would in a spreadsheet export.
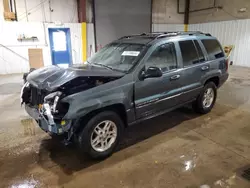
84	41
185	27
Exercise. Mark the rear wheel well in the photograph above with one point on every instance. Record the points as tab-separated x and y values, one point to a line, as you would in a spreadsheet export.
215	80
117	108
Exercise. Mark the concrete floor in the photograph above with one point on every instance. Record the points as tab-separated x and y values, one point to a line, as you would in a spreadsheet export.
178	149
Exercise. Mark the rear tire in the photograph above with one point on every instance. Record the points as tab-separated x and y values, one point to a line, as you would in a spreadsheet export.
206	100
101	135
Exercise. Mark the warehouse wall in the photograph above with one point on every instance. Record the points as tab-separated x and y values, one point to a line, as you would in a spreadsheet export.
236	32
165	11
14	54
167	27
117	18
41	16
230	10
45	11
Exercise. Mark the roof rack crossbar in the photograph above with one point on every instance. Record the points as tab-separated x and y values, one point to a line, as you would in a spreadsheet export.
167	35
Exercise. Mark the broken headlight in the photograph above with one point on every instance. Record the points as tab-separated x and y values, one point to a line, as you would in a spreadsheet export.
52	100
51	96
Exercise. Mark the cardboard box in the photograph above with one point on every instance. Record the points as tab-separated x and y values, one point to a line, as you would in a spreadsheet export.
36	58
9	16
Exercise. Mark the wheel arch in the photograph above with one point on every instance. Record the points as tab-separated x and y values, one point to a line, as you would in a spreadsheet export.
118	108
214	79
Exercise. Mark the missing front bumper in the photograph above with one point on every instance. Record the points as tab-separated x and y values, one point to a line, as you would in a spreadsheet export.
46	121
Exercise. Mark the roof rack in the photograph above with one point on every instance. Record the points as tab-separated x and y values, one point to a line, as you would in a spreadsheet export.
136	35
158	35
185	33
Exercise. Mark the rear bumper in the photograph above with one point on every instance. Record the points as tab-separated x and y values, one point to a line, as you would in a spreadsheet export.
46	124
223	79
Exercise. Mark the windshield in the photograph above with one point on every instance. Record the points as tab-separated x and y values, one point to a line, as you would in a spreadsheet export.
117	56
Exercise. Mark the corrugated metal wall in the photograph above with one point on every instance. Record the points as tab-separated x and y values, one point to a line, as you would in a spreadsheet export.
236	32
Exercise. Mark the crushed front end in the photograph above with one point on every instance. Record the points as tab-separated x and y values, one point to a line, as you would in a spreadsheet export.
46	88
46	109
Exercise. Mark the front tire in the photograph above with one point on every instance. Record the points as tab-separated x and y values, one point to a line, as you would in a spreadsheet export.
206	100
101	135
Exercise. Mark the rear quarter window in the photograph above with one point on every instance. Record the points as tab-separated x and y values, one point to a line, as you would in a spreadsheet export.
213	48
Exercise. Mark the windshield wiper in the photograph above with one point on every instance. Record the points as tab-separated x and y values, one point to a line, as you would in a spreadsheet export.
103	66
108	67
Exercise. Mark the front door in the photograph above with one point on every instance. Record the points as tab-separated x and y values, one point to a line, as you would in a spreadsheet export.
154	95
60	46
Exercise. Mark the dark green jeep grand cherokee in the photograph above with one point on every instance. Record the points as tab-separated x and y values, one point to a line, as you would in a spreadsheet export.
131	79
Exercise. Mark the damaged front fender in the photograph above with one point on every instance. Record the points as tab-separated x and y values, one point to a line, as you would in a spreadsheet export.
85	102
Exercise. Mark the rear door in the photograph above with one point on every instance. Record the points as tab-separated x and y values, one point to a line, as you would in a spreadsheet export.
215	54
195	68
154	95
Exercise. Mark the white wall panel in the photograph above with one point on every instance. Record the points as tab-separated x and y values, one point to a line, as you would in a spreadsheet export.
43	11
14	58
91	39
14	54
11	30
1	11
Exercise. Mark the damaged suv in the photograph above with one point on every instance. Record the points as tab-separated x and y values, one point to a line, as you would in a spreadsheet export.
131	79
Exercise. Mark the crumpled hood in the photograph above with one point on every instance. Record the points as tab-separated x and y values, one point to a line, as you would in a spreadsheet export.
52	77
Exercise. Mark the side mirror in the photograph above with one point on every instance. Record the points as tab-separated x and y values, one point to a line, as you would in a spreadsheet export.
152	72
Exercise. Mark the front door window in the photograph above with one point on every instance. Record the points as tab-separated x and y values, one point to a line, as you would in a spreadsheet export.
164	57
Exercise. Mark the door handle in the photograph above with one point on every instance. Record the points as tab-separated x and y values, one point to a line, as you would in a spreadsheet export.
204	68
175	77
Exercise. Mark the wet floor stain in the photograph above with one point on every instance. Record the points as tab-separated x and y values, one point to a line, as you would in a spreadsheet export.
170	133
177	149
226	183
27	183
189	160
28	126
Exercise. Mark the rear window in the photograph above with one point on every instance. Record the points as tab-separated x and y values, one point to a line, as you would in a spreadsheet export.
189	53
213	48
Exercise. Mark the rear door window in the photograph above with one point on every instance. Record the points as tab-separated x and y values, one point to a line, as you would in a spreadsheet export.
213	48
189	53
199	51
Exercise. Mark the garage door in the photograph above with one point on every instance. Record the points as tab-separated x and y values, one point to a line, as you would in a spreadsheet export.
116	18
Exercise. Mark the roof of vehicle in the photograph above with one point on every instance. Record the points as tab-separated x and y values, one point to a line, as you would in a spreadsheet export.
146	38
